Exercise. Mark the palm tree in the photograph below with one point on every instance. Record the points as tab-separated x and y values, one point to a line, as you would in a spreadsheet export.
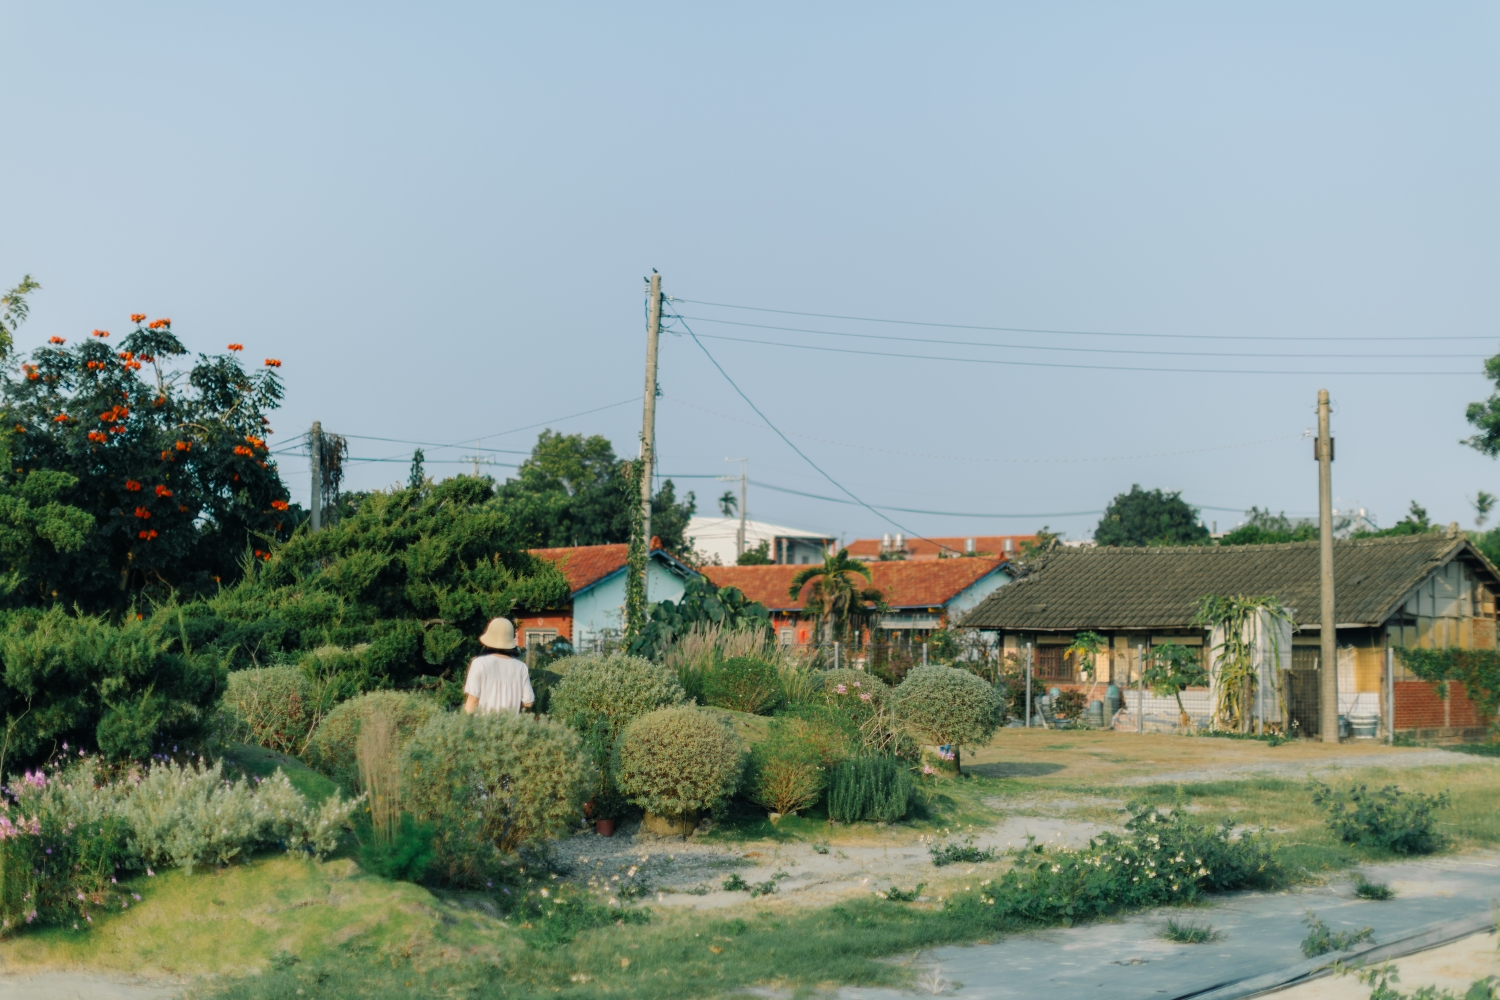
834	591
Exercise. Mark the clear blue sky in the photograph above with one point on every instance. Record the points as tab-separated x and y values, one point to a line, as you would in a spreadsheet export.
439	216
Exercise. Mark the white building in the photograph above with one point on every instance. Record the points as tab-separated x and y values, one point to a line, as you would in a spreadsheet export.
717	538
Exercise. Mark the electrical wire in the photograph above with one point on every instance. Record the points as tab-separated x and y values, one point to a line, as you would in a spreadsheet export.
1057	364
981	458
789	443
1071	350
1071	333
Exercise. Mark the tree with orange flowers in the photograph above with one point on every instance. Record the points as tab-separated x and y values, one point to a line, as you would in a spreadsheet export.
168	458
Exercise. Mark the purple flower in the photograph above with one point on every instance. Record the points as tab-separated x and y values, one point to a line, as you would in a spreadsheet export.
841	689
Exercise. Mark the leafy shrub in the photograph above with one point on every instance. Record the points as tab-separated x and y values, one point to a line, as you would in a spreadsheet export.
1069	704
1365	889
491	784
873	789
189	815
677	761
896	895
735	883
786	774
743	684
1189	932
960	854
948	706
1320	940
404	856
855	692
273	707
85	681
615	687
333	744
1161	860
827	730
1396	821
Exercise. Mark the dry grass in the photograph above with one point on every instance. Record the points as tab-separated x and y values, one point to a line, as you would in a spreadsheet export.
380	774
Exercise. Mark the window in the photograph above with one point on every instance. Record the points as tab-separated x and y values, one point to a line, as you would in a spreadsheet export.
786	637
539	636
1052	665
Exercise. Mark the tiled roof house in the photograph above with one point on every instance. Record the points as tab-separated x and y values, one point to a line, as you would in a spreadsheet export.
596	585
1432	589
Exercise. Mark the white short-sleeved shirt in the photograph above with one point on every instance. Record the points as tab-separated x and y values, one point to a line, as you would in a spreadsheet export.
501	683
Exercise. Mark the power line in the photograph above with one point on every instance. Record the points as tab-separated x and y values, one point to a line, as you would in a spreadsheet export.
1069	333
1058	364
789	443
1006	461
1072	350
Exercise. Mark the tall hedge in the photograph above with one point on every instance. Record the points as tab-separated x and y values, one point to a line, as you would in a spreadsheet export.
491	784
126	688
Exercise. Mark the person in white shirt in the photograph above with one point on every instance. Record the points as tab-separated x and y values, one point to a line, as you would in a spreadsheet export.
498	681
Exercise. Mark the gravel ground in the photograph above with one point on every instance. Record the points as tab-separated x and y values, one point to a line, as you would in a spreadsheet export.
85	986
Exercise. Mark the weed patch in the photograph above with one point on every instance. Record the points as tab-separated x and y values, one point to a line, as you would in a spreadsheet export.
896	895
1365	889
1189	932
1390	819
1320	940
960	854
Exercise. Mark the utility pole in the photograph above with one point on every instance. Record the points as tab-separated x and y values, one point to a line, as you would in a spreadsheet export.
739	534
648	418
316	440
1328	675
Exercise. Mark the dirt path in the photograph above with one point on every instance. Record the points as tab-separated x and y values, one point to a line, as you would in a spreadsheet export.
85	986
1304	769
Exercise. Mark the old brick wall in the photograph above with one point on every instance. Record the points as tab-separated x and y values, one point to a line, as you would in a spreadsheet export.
1419	707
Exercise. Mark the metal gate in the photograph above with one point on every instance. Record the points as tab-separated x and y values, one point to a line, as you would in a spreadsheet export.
1302	691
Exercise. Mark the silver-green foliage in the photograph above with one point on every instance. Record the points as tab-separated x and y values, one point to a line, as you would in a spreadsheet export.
677	761
491	784
332	747
617	687
945	705
188	815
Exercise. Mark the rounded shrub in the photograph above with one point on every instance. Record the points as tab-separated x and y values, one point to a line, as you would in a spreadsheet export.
270	706
616	687
678	761
333	744
743	684
857	692
948	706
490	784
786	774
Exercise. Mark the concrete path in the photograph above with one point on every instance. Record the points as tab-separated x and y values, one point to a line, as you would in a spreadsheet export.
84	986
1262	933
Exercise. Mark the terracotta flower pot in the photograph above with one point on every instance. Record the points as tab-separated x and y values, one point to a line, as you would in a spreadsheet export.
588	809
605	827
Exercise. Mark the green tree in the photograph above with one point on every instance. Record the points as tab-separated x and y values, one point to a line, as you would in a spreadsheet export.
171	464
834	592
1170	668
573	490
1150	517
13	312
758	556
1485	416
1484	504
1261	527
1416	522
416	477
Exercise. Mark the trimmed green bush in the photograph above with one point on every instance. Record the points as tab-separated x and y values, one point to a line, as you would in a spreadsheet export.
332	747
743	684
677	761
270	706
616	687
948	706
786	773
826	730
491	784
871	789
854	684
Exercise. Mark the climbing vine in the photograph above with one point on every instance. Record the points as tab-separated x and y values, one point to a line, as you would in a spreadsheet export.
1478	670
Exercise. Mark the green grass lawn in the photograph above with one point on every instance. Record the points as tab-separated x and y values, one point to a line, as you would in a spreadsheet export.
280	924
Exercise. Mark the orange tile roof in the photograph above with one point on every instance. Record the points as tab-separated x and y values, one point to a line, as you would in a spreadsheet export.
918	584
928	548
583	565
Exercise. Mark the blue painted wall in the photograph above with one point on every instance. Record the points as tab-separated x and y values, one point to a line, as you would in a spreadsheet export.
600	608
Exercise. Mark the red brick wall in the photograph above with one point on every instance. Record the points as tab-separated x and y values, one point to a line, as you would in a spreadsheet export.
1419	707
560	620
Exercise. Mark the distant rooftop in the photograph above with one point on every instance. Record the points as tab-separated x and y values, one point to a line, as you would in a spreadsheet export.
998	546
716	536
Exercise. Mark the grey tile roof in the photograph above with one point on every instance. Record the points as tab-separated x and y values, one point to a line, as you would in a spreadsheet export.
1135	588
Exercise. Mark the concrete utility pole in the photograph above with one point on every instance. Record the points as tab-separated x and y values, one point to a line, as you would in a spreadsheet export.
648	418
1328	660
316	440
